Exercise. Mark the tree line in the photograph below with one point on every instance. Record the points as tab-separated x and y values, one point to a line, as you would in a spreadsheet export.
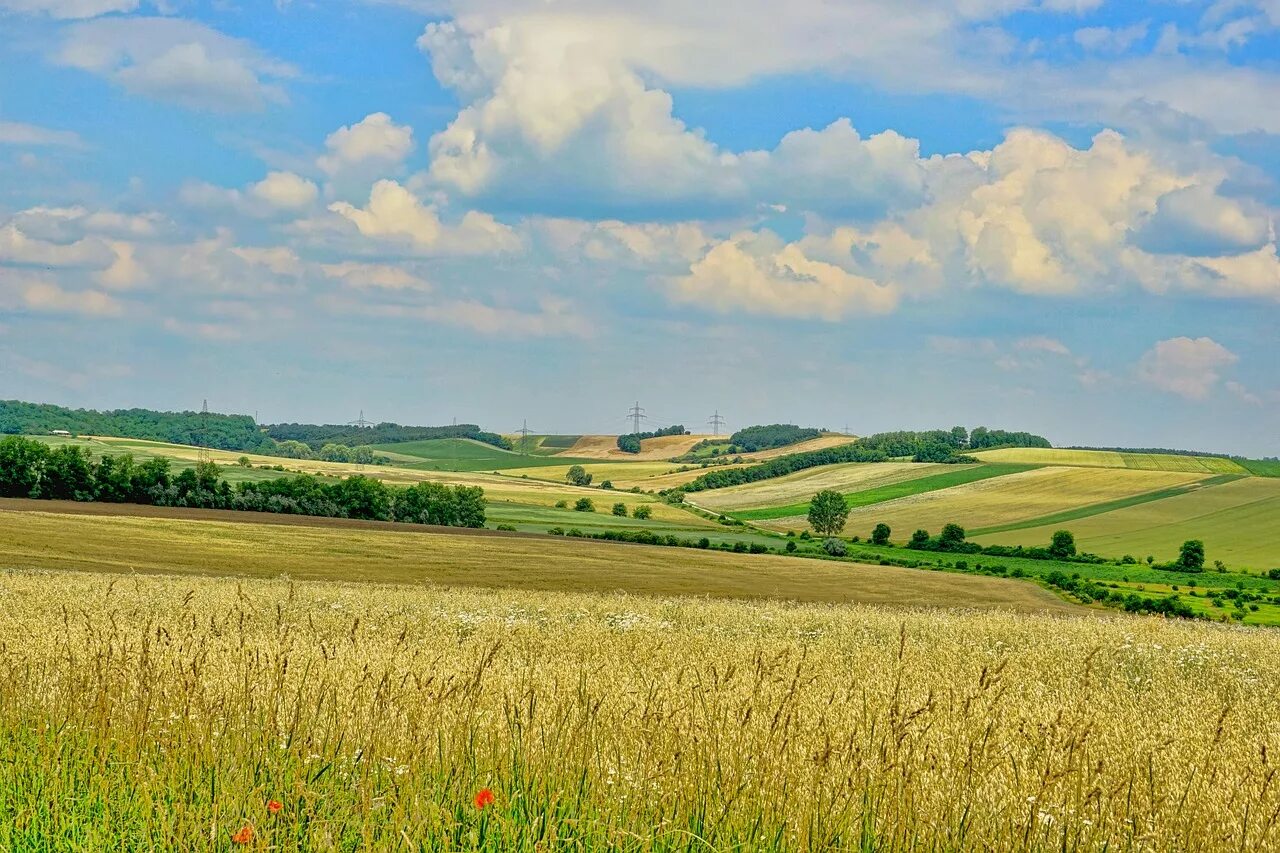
316	436
767	436
929	446
31	469
630	443
224	432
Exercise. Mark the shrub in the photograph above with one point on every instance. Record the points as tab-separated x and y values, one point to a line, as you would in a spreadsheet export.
880	536
620	510
704	543
835	547
562	504
757	548
506	527
791	547
607	485
584	505
642	512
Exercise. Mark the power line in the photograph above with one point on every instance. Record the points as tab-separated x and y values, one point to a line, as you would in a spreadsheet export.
524	437
717	423
360	421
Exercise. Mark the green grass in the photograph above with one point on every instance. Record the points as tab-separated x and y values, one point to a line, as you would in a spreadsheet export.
892	491
461	454
1106	506
528	518
1261	467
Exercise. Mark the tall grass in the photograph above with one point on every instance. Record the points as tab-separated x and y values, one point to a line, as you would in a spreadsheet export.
162	713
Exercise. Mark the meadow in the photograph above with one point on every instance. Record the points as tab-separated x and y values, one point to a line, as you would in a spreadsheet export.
157	712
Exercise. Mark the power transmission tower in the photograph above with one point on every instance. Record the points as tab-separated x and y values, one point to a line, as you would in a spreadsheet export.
202	436
636	414
524	437
717	423
360	421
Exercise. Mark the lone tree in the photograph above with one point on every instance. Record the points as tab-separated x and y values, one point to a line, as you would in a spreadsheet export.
828	512
578	476
880	536
1063	544
1191	557
951	538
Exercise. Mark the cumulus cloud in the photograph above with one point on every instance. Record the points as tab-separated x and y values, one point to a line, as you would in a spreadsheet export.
285	191
1198	221
757	273
43	294
1042	343
179	61
16	247
1190	368
395	215
363	276
374	143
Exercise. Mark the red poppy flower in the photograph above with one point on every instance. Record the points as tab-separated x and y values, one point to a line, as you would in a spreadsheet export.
484	798
243	835
274	806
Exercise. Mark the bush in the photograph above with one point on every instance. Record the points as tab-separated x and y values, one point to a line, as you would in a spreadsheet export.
704	543
1273	574
562	504
578	476
620	510
835	547
607	485
757	548
880	536
791	547
508	528
584	505
642	512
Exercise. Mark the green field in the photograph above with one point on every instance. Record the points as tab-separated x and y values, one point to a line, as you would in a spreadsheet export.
1238	521
917	486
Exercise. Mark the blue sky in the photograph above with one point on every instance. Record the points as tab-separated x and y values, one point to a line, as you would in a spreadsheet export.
1055	215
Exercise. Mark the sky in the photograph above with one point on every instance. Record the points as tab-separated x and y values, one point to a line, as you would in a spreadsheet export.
1050	215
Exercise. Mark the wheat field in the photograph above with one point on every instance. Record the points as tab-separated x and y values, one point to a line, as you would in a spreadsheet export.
143	713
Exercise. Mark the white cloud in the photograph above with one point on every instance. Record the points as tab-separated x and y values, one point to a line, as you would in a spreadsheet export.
364	276
1111	39
396	215
1042	343
757	273
67	9
174	60
17	133
1187	367
1243	393
285	191
1197	221
16	247
374	143
41	293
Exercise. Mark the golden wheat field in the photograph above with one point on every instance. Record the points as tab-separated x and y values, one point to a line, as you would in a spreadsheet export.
144	713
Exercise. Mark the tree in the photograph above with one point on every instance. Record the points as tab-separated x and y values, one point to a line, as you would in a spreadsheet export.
335	453
642	512
1063	544
1191	556
951	538
835	547
584	505
828	512
68	474
578	476
364	497
21	465
919	540
620	510
880	536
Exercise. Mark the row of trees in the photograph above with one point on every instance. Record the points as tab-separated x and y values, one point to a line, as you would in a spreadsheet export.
316	436
929	446
225	432
764	437
630	443
31	469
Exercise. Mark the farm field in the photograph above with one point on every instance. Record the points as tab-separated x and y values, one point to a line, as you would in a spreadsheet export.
1239	522
658	449
1112	459
149	544
374	713
802	485
616	472
460	454
1002	500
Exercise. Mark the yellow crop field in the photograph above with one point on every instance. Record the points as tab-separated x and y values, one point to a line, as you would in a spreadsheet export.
325	549
146	713
1112	459
1239	522
651	449
800	486
615	472
1001	500
822	442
